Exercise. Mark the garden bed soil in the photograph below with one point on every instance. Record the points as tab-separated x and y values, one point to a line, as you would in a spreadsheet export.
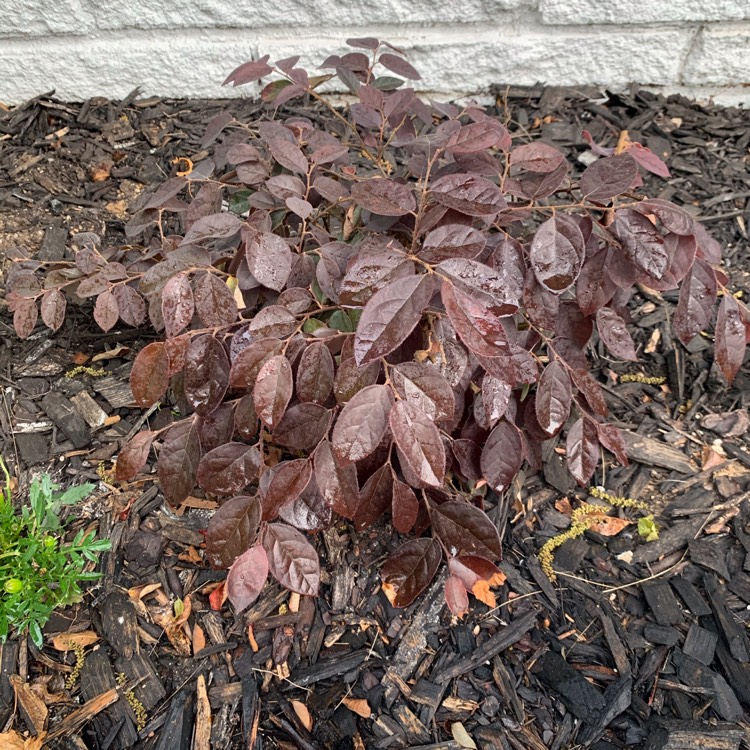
638	644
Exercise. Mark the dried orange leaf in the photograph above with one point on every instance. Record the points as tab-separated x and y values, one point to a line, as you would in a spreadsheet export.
67	641
609	525
303	714
360	707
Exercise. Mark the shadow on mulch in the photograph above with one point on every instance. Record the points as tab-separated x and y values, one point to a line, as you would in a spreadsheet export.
637	645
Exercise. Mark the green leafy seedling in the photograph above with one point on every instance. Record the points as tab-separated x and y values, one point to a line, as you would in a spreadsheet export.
39	571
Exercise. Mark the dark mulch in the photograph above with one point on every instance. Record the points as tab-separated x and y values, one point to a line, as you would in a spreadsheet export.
640	645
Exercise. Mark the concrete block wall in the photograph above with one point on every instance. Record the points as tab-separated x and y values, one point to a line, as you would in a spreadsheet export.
185	48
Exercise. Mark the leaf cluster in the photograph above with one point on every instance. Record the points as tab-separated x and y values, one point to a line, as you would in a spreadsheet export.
39	571
386	313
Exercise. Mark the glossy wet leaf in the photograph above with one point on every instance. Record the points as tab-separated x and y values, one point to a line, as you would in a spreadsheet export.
468	194
554	394
384	197
245	368
591	391
641	242
608	177
289	480
231	530
273	390
247	577
463	528
730	338
269	259
404	507
309	511
452	241
495	399
337	481
303	426
502	456
228	469
390	316
134	454
131	305
214	302
273	321
367	274
557	252
315	374
362	423
178	461
614	334
696	302
425	387
582	449
419	443
674	218
374	497
177	304
292	560
611	438
212	227
479	329
206	374
409	570
489	286
149	377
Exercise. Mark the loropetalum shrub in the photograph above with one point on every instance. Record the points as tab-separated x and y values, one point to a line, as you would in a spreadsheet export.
383	310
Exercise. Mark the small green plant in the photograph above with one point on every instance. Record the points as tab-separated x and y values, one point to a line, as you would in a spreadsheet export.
38	570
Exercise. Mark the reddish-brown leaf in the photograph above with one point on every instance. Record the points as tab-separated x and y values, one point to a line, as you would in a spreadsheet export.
336	481
494	288
246	366
463	528
214	302
424	386
375	498
582	450
291	559
398	65
409	570
149	377
537	157
419	443
611	438
273	390
452	241
247	577
554	395
730	338
502	456
390	316
269	259
53	308
309	511
131	305
404	507
231	530
362	423
134	455
696	302
456	596
206	374
288	155
384	197
468	193
315	374
495	400
289	481
371	272
106	310
177	304
178	461
608	177
249	72
228	469
557	252
643	245
303	426
614	334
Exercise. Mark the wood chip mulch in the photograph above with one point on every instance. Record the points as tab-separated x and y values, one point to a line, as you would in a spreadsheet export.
638	644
